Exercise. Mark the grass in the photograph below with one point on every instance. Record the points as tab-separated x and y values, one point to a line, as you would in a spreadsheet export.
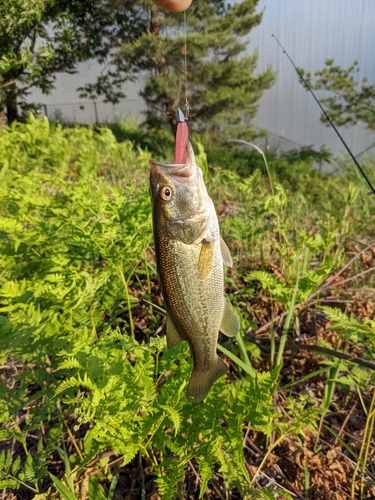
89	390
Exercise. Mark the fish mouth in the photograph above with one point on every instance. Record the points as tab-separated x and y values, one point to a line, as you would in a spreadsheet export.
176	169
184	170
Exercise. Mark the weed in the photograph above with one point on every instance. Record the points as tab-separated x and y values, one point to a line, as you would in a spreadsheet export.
89	383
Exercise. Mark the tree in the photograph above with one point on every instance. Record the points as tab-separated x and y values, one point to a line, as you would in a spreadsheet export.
39	38
350	102
221	87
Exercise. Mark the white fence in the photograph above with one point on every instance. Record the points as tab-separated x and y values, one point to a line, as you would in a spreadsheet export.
94	112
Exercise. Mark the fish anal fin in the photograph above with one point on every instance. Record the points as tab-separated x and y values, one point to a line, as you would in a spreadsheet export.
225	253
206	260
201	382
173	337
230	324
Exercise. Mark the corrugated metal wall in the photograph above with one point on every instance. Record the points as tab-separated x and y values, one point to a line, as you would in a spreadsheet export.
310	30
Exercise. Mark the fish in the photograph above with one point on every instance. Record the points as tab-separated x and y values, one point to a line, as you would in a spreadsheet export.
190	255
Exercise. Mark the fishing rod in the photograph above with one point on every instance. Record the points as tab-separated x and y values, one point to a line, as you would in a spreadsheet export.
328	118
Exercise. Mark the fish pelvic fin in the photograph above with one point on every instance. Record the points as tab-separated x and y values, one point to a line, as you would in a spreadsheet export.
206	260
200	383
230	324
173	337
225	253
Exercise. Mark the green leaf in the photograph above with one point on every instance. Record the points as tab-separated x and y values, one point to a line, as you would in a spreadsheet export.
245	367
62	489
16	465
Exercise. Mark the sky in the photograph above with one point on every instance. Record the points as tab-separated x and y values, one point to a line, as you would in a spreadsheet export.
311	31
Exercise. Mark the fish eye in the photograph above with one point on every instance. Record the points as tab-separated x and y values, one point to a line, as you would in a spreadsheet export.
165	193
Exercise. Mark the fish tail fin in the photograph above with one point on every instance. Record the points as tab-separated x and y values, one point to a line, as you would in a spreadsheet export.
200	383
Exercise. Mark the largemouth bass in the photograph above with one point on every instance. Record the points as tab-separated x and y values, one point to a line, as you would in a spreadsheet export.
190	255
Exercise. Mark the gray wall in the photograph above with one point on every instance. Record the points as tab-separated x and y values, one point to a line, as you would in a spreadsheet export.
310	30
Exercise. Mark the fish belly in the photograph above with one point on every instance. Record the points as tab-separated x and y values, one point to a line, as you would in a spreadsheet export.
195	304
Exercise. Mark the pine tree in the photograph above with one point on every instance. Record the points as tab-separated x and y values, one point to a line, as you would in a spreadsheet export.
349	102
222	89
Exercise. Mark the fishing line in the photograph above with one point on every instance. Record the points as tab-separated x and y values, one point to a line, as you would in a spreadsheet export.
187	107
328	118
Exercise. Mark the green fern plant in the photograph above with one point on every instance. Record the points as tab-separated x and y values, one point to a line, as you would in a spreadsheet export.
75	228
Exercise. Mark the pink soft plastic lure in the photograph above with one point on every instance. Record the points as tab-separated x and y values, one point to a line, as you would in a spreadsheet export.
182	139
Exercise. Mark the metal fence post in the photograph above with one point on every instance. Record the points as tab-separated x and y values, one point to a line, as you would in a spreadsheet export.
96	113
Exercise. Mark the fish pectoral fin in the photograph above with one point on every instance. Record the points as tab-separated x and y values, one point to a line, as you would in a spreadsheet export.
206	260
225	253
201	382
173	337
230	324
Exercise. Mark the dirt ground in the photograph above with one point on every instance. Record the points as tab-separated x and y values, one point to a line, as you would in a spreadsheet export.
320	466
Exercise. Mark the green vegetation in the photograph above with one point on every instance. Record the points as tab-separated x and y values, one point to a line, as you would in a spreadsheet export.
92	403
349	102
219	76
40	38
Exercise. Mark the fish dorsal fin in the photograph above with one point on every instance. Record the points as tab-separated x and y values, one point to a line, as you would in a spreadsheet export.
230	324
225	253
206	260
173	337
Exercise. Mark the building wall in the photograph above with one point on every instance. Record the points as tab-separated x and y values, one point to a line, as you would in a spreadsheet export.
310	30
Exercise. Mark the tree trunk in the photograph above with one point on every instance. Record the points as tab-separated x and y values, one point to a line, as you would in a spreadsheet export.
11	104
2	116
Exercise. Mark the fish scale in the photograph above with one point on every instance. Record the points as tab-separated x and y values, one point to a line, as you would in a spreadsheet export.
190	255
178	264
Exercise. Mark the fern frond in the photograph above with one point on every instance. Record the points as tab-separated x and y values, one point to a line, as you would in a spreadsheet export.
206	467
5	461
28	473
68	364
170	473
175	416
16	465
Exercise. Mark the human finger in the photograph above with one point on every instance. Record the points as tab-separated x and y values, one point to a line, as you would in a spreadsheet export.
173	5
